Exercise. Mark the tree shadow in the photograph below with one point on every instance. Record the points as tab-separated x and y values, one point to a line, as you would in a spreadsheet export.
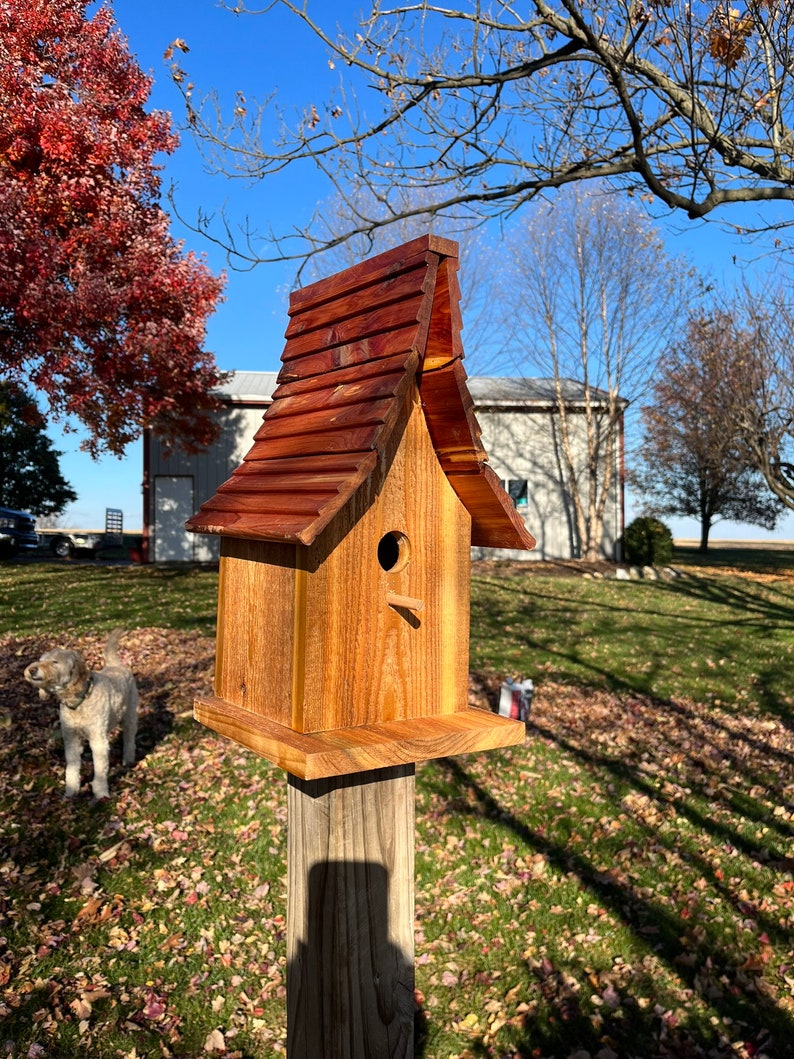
701	819
732	593
350	989
713	747
693	951
745	610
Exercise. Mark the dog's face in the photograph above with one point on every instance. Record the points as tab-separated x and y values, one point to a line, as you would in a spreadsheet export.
56	671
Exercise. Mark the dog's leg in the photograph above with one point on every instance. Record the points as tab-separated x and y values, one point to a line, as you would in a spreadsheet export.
130	727
73	749
100	751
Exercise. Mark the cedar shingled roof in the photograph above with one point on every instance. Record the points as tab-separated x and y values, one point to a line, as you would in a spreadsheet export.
355	344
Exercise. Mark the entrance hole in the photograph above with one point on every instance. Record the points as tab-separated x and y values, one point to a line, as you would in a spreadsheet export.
393	551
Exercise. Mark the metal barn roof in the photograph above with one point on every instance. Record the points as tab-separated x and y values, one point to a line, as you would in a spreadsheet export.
248	387
258	387
498	391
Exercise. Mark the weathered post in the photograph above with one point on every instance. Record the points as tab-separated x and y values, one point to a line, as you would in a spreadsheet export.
343	621
350	922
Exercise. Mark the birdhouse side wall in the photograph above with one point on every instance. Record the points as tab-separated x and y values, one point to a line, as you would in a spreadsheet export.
404	533
259	611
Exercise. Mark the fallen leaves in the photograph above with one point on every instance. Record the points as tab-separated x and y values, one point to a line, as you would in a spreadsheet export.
620	885
648	888
123	921
215	1042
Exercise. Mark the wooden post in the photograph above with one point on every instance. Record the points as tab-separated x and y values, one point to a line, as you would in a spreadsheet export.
350	916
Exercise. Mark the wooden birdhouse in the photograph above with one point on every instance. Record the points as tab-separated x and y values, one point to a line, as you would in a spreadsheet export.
343	610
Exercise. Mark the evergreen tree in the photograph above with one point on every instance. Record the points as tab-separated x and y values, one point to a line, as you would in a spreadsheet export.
30	474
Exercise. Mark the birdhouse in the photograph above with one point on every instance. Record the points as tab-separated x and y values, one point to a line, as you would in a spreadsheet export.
343	609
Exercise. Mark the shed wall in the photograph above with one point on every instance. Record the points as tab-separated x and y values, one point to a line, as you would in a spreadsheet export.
526	445
522	443
207	470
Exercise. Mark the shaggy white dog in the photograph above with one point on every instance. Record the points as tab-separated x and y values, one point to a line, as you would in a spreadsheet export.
92	705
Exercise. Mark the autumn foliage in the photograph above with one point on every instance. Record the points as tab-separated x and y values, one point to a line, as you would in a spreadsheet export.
100	308
694	458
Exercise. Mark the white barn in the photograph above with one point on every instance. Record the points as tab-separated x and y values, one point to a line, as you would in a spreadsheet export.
175	483
520	433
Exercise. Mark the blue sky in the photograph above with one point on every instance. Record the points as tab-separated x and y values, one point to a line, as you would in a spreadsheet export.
257	55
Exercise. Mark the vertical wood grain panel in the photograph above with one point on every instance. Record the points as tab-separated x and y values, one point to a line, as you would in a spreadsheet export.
256	627
350	916
366	660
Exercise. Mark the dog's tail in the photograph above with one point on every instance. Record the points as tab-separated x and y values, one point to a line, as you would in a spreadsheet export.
112	648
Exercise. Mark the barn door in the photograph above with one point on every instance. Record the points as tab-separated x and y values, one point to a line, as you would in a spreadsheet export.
173	506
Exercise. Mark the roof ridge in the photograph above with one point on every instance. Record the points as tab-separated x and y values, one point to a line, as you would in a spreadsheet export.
390	263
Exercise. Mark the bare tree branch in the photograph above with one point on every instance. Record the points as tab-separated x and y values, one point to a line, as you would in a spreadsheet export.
488	107
592	298
767	387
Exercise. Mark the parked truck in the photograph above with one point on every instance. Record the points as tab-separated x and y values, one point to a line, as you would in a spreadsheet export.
64	542
17	532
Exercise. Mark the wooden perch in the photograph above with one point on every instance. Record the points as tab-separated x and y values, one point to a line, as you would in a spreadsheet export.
406	602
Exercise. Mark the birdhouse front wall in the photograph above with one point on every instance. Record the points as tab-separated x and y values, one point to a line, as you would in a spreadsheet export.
370	623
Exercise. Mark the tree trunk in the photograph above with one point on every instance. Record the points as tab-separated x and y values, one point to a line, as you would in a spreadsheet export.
705	529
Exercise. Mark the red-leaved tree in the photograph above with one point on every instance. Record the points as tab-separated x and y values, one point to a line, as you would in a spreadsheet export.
100	308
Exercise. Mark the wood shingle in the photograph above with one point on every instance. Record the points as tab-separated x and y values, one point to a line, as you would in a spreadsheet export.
355	346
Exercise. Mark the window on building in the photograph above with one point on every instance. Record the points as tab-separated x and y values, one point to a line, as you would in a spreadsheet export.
517	491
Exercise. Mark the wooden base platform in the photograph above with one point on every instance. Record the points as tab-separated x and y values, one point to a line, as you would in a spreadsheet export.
346	750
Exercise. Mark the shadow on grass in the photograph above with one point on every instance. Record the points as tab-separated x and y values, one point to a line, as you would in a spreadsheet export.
632	636
696	957
759	559
744	601
57	909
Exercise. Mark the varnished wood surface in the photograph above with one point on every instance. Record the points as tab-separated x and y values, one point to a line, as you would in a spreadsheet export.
326	466
372	351
351	750
363	275
367	661
444	343
343	331
330	636
256	656
453	426
255	525
499	525
346	386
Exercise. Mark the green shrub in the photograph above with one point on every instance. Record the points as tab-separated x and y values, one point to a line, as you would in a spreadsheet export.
648	542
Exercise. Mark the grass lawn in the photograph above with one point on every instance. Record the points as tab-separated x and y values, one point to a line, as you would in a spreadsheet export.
622	885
